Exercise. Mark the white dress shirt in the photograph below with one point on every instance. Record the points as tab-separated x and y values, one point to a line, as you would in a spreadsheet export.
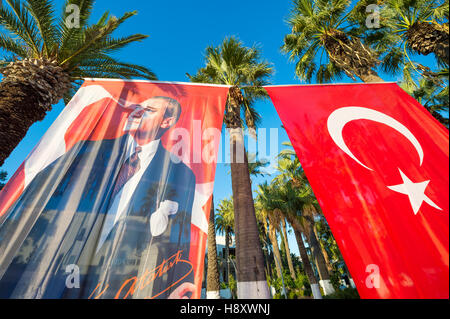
123	197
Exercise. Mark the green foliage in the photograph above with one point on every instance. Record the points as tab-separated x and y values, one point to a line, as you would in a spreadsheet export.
84	50
223	285
231	63
310	21
335	279
392	43
232	284
314	23
224	219
397	17
300	288
432	95
302	283
279	296
348	293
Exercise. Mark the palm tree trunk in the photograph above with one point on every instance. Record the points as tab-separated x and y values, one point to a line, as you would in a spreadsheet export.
324	252
268	260
298	229
426	38
227	253
307	265
28	90
251	277
288	251
276	250
212	281
370	77
268	270
19	109
318	258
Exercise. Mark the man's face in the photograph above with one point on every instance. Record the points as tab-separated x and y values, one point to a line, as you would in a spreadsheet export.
152	119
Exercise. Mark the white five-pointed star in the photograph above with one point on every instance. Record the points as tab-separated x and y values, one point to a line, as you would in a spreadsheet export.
415	192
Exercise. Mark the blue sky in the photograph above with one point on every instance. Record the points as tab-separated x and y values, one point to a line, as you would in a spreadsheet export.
179	33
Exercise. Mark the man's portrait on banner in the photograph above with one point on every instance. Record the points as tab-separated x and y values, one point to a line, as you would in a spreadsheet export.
119	209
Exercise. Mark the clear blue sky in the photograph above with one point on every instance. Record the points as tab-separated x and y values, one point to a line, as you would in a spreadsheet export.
179	33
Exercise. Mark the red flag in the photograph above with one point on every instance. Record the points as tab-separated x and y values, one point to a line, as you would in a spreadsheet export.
378	163
145	240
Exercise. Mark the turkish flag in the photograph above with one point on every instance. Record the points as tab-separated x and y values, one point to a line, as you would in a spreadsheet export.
378	163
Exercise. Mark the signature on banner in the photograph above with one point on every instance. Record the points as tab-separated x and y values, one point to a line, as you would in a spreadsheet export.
135	284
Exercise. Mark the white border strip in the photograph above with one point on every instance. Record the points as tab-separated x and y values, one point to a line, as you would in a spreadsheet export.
228	86
328	84
150	81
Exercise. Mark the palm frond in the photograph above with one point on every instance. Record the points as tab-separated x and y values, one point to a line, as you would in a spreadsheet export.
10	45
109	64
42	12
96	39
17	21
77	9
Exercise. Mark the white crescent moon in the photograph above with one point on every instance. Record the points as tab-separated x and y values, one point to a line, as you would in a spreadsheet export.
339	118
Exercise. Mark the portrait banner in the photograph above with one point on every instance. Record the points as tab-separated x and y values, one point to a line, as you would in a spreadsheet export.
378	163
114	201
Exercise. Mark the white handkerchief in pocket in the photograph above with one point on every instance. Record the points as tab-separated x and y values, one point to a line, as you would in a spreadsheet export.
160	219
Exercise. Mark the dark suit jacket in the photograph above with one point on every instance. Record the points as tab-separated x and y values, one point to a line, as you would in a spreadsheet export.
58	220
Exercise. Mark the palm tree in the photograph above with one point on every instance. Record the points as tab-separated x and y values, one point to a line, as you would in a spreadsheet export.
294	187
224	225
269	212
420	26
212	280
331	249
49	58
233	64
255	165
272	209
274	218
410	27
261	216
325	253
431	96
322	44
286	245
308	214
288	201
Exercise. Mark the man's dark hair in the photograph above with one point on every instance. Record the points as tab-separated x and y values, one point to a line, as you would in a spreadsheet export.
174	108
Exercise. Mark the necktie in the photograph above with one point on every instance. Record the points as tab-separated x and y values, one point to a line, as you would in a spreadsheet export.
131	166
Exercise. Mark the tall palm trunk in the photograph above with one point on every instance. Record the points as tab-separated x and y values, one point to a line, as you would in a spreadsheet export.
324	252
227	253
269	270
288	251
251	277
426	38
276	250
351	55
318	257
355	59
212	280
307	265
27	92
371	77
304	256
